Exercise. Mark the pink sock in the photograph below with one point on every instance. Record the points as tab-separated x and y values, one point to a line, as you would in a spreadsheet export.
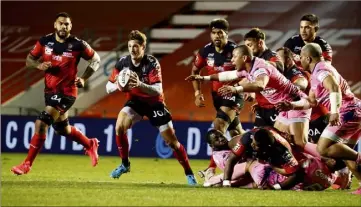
311	149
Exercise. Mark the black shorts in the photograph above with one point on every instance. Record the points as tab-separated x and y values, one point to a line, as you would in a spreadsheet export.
59	101
265	117
316	128
157	113
234	101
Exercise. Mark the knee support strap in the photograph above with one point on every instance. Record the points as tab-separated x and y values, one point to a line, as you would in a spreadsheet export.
59	126
222	115
46	118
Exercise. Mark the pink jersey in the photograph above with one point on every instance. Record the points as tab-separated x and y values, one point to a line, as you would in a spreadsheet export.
319	73
220	158
278	88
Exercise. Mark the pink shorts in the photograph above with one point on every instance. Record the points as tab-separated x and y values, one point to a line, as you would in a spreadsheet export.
289	117
350	130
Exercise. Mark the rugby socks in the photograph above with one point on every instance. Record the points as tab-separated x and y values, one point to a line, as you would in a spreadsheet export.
123	148
212	164
36	143
77	136
182	158
311	149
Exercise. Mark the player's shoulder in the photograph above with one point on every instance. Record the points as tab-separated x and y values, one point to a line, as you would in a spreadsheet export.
296	37
48	39
77	43
231	45
208	48
151	59
123	61
320	40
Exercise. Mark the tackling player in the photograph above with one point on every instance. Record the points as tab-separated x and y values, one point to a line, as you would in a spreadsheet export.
330	89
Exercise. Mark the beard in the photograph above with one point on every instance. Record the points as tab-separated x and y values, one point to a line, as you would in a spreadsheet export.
62	34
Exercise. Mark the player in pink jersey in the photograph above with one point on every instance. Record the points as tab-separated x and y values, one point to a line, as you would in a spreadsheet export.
314	175
331	90
266	79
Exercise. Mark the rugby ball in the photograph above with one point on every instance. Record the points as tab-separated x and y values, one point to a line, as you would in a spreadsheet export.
123	79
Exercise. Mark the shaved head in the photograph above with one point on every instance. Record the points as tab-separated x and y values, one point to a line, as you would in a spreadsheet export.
242	55
244	50
311	53
312	50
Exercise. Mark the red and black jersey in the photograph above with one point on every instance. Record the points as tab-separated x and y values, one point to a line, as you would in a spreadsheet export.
64	58
215	62
271	56
280	155
295	44
148	71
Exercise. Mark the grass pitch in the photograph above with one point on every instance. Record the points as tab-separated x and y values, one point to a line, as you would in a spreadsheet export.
69	180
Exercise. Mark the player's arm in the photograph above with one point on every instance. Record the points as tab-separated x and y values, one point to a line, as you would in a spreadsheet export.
154	88
93	58
330	83
326	51
301	83
94	64
198	65
237	149
277	63
112	81
32	60
291	180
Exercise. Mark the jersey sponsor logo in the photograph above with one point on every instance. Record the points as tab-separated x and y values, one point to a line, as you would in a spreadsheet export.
313	132
231	98
320	174
57	58
210	54
68	54
48	50
268	91
297	48
210	62
50	44
227	64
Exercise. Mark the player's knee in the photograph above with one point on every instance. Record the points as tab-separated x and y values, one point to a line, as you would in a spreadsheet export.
44	120
234	132
322	150
62	127
222	118
301	142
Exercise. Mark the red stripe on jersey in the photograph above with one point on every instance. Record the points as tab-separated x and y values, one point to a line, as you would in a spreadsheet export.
199	61
327	56
37	51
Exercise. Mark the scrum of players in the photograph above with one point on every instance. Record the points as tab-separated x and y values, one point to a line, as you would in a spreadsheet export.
307	119
298	92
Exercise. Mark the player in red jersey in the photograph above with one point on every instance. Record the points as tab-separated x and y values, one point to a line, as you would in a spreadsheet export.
308	34
145	98
216	57
60	53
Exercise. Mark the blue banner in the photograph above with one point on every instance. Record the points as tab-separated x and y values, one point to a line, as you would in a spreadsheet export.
144	139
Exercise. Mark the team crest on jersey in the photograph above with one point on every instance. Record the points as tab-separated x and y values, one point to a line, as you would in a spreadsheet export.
210	62
50	44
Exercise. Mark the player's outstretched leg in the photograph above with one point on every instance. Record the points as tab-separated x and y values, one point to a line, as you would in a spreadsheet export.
124	122
179	152
42	124
62	127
